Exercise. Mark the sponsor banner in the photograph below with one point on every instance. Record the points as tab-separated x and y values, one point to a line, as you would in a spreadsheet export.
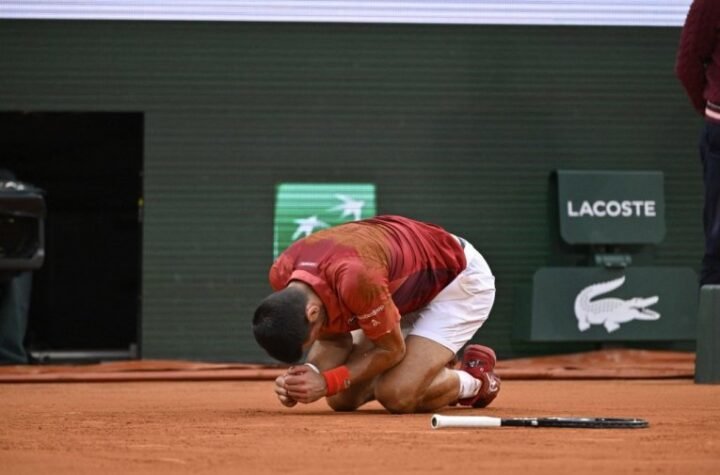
303	208
599	304
611	207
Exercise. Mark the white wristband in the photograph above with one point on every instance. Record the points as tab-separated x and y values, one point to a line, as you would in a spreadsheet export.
313	367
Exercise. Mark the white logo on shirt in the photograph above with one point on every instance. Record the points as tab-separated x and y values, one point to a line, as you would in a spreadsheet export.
371	314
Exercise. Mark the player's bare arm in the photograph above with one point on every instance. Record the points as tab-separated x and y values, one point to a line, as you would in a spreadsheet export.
385	352
330	351
327	352
304	384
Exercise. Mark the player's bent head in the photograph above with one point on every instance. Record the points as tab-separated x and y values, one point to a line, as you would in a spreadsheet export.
280	325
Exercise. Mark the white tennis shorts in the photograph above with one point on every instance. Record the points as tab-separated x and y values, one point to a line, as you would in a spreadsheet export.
460	309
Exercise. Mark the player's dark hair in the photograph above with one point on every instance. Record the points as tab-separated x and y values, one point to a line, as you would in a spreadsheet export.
280	325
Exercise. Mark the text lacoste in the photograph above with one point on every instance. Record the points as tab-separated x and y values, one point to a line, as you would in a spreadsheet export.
613	209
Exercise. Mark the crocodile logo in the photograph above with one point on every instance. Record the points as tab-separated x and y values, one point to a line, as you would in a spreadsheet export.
611	312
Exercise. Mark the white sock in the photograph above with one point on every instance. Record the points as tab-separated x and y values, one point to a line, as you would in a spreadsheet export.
469	386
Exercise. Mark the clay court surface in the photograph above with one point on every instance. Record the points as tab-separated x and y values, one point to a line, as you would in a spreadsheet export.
218	426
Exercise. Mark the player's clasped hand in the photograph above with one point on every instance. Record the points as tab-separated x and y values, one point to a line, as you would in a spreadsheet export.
303	384
282	393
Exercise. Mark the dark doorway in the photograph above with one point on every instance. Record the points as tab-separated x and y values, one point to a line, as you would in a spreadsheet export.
86	297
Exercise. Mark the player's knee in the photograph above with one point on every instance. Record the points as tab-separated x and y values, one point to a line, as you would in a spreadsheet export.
396	399
339	404
398	404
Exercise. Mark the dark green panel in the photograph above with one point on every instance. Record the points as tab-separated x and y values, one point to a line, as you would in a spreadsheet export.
612	305
707	362
458	125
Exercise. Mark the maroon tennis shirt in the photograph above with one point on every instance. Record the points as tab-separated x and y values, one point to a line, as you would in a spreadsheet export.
368	273
698	57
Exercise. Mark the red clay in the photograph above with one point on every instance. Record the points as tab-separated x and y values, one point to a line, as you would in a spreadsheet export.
238	427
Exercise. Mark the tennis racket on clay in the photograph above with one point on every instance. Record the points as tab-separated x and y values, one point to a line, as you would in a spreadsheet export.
439	421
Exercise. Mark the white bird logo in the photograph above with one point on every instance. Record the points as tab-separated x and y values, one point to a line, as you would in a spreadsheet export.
306	226
349	207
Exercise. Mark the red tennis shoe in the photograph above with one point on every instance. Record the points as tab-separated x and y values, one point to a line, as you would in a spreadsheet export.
479	362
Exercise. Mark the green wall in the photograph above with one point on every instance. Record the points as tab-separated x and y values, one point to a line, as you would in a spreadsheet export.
457	125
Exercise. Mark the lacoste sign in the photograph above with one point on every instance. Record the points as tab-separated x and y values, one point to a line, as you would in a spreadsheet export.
599	304
612	209
601	207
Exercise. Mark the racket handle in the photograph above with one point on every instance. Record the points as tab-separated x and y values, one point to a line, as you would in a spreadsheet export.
439	421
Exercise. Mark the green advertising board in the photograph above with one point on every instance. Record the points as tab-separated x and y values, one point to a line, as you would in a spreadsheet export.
707	355
303	208
600	304
611	207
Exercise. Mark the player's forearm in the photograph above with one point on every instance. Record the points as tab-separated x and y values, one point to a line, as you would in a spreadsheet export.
329	353
386	351
307	383
373	363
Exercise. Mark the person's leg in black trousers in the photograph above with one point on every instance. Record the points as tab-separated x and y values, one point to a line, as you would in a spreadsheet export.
710	155
14	306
